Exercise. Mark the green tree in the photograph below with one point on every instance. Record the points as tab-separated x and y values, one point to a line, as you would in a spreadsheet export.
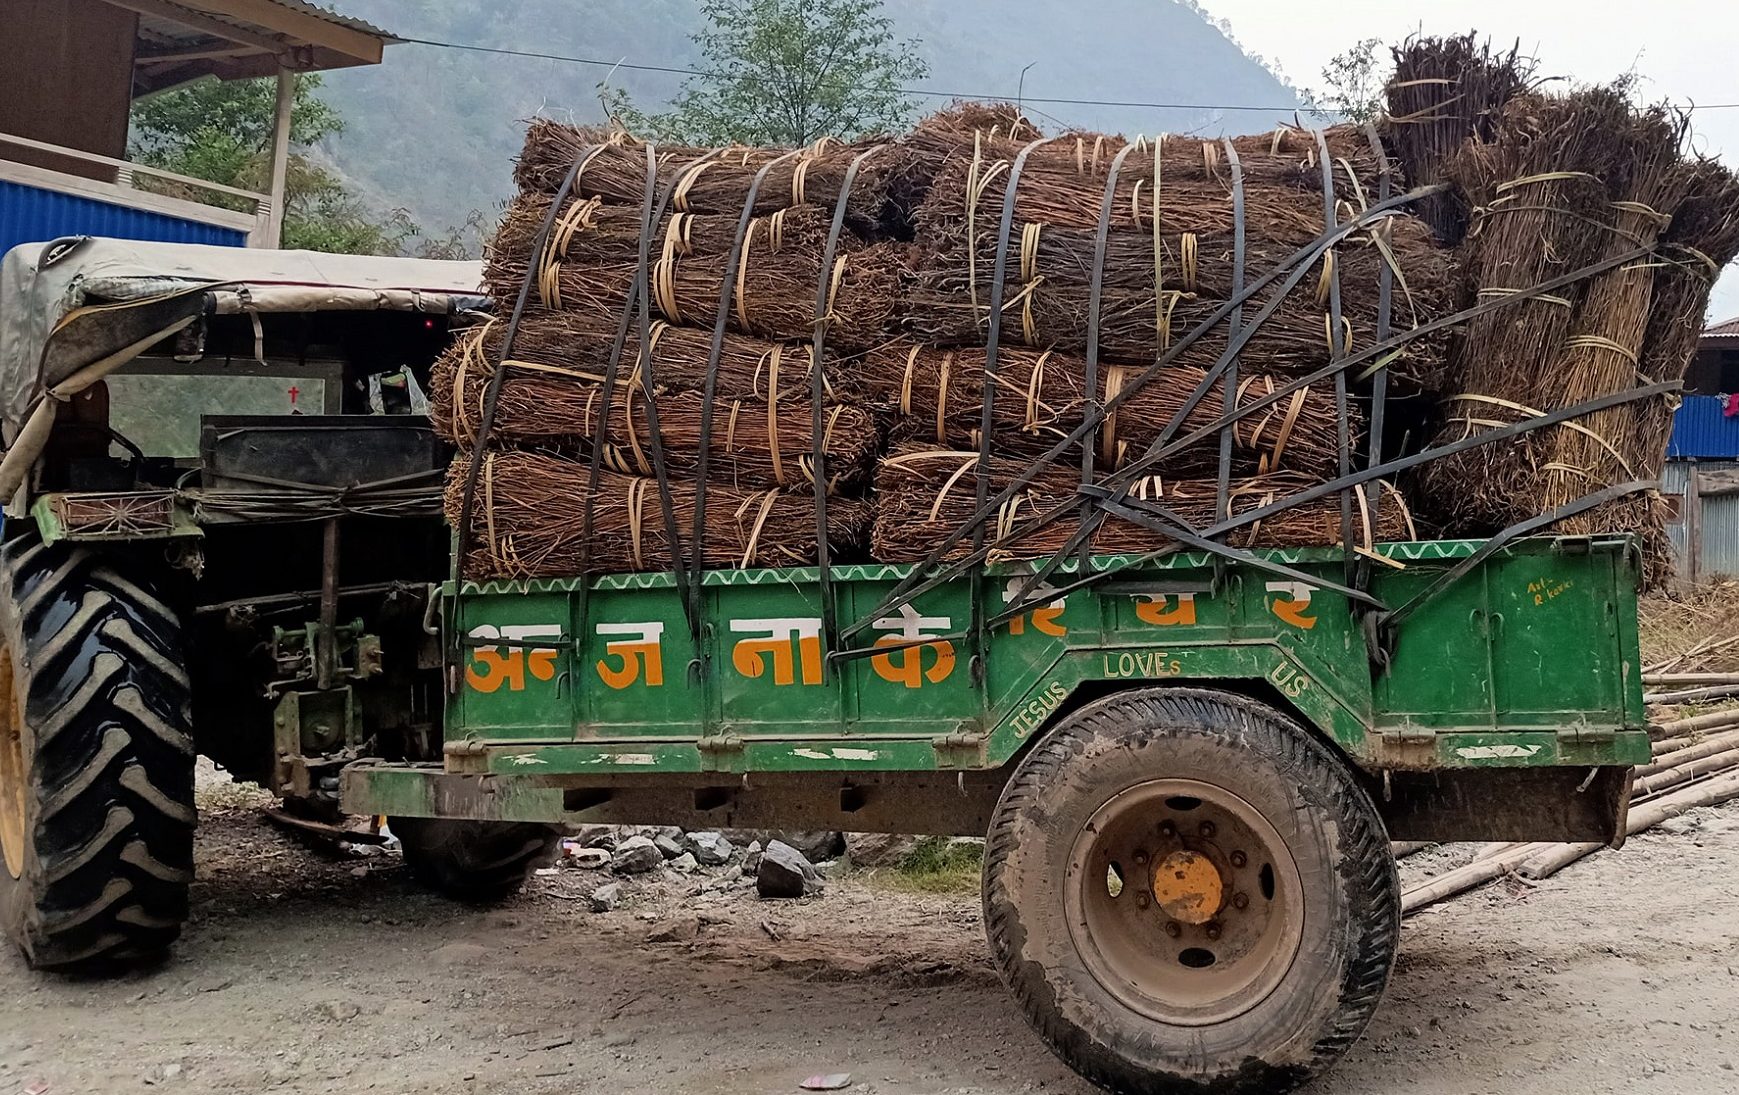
221	131
1354	79
787	72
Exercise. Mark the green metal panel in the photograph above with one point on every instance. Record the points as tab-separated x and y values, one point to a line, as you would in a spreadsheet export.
1530	659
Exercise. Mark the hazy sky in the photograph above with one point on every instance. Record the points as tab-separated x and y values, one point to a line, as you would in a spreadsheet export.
1684	50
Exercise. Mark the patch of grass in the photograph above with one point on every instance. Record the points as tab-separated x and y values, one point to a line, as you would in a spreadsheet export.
936	865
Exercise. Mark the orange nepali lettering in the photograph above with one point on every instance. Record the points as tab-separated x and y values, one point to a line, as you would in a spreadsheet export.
1292	604
905	663
639	651
1156	608
787	646
491	667
1047	618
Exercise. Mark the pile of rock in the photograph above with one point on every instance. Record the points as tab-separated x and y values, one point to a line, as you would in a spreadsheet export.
777	864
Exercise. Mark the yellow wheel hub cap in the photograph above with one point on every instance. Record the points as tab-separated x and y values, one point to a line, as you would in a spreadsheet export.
1188	887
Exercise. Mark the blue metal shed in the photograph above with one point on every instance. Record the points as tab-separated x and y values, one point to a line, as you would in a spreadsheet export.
32	214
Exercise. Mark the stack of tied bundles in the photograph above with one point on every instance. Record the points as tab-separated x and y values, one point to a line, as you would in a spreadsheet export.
1555	185
602	391
1171	260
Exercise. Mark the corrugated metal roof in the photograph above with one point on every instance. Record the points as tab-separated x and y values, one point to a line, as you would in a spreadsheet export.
1701	429
1727	328
164	30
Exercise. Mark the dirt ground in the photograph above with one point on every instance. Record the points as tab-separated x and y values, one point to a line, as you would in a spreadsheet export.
307	972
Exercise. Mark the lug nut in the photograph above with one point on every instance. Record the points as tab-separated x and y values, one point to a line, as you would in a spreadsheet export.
1166	828
1213	931
1173	930
1239	859
1141	899
1207	828
1140	858
1240	900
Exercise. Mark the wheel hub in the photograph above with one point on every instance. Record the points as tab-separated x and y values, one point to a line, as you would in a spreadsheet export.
1184	901
12	771
1188	887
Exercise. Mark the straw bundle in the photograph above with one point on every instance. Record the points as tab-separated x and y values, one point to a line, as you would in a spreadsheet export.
1446	91
1041	397
706	183
591	257
1567	181
575	346
751	442
924	494
529	515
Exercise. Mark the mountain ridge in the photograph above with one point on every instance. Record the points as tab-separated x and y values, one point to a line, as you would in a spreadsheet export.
433	130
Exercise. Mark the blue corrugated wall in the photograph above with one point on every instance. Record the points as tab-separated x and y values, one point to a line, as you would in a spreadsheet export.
1702	429
29	214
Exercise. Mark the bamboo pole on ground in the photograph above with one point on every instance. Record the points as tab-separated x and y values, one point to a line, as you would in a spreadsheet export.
1689	678
1693	695
1679	728
1401	849
1710	793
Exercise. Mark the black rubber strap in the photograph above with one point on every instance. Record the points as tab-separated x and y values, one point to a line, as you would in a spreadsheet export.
1337	349
710	389
992	373
666	504
1093	405
1222	488
492	394
652	210
817	392
1095	298
1385	305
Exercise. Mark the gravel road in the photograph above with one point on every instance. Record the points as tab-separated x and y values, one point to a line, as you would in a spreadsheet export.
304	972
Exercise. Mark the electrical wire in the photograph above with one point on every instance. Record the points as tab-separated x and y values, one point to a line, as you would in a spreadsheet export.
929	92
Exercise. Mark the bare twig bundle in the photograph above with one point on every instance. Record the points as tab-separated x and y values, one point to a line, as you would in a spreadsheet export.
590	259
706	180
575	346
529	518
944	135
1041	397
1568	181
1446	91
924	494
1063	184
1148	300
752	442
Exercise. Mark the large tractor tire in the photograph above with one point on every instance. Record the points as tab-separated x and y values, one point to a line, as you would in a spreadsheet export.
1187	893
478	862
96	762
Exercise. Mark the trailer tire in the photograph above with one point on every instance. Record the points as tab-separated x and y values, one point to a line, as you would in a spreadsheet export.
1254	975
96	762
478	862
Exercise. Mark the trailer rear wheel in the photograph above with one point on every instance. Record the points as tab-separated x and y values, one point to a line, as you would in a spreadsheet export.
96	762
1188	893
480	862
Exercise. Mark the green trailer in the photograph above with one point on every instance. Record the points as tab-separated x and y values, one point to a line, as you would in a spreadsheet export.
225	540
1189	775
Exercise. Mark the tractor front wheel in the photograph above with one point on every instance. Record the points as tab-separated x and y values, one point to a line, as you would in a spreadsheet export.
96	762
